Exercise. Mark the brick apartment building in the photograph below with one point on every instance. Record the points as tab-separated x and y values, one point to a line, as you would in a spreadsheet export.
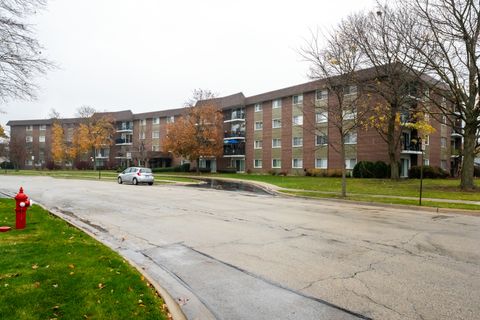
284	130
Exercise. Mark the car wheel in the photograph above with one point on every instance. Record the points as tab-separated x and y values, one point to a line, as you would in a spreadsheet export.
150	183
135	181
120	180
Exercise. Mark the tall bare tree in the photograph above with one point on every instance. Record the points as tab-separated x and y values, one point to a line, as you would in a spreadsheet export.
336	64
446	42
21	59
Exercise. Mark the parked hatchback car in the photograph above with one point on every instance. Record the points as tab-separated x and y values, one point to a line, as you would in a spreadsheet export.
136	175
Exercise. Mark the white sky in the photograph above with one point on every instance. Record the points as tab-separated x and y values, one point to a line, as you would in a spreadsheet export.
148	55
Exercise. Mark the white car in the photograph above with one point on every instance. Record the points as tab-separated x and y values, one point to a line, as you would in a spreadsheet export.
136	175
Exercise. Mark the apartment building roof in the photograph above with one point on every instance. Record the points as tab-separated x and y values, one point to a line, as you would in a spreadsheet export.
237	99
161	113
41	121
124	115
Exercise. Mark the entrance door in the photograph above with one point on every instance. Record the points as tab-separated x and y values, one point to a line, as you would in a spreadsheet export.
239	164
404	166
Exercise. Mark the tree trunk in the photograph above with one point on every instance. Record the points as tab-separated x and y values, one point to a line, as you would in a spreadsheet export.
198	165
344	175
392	145
469	142
394	170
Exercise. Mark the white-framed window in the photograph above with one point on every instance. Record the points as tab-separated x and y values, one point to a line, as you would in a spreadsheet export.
29	128
41	138
351	138
443	164
350	89
155	147
141	135
297	163
350	114
350	163
321	163
426	162
297	120
28	139
257	163
426	140
43	127
155	134
277	103
321	94
276	143
443	142
321	117
276	163
297	99
29	162
444	102
143	122
258	144
276	123
297	142
171	119
444	119
258	107
156	120
258	125
321	140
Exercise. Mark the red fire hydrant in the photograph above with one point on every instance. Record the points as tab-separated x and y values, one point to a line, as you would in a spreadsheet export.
21	209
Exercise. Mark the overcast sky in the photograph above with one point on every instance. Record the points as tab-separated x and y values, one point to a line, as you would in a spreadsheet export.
148	55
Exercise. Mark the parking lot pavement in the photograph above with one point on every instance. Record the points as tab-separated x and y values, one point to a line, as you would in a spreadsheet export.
236	255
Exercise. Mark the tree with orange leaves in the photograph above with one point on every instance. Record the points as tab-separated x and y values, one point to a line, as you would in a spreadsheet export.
197	134
58	143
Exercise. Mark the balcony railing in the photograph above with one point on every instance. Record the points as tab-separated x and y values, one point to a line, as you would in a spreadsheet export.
234	134
125	127
234	116
237	149
411	147
123	141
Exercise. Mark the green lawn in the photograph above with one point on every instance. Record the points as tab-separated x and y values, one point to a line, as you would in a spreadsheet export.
51	270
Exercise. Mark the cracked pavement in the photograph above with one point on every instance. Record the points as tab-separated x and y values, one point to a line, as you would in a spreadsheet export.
240	255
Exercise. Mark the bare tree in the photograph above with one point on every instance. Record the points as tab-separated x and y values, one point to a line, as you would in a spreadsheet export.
336	64
85	112
21	58
446	42
18	152
53	114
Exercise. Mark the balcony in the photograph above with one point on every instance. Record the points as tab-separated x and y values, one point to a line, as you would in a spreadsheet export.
237	134
123	142
457	132
102	156
124	127
412	148
236	149
235	116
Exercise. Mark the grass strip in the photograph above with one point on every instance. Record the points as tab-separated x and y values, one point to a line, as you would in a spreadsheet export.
51	270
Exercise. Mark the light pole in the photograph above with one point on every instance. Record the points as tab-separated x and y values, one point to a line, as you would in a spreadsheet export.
422	149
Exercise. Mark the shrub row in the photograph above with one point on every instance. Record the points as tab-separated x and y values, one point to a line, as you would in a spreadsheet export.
181	168
368	169
429	172
332	173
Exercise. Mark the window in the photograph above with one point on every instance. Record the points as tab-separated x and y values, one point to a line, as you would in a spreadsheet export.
426	141
141	135
350	114
258	144
321	117
143	122
29	128
297	141
43	127
41	139
276	143
443	164
443	142
297	99
29	139
321	163
276	163
350	163
277	103
351	138
444	119
258	125
321	94
321	140
258	107
155	148
29	162
297	120
276	123
426	162
171	119
155	134
257	163
297	163
156	120
350	90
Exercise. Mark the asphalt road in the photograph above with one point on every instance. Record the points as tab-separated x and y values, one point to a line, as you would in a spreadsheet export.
232	255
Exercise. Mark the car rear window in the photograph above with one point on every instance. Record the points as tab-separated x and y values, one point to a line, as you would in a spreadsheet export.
146	170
